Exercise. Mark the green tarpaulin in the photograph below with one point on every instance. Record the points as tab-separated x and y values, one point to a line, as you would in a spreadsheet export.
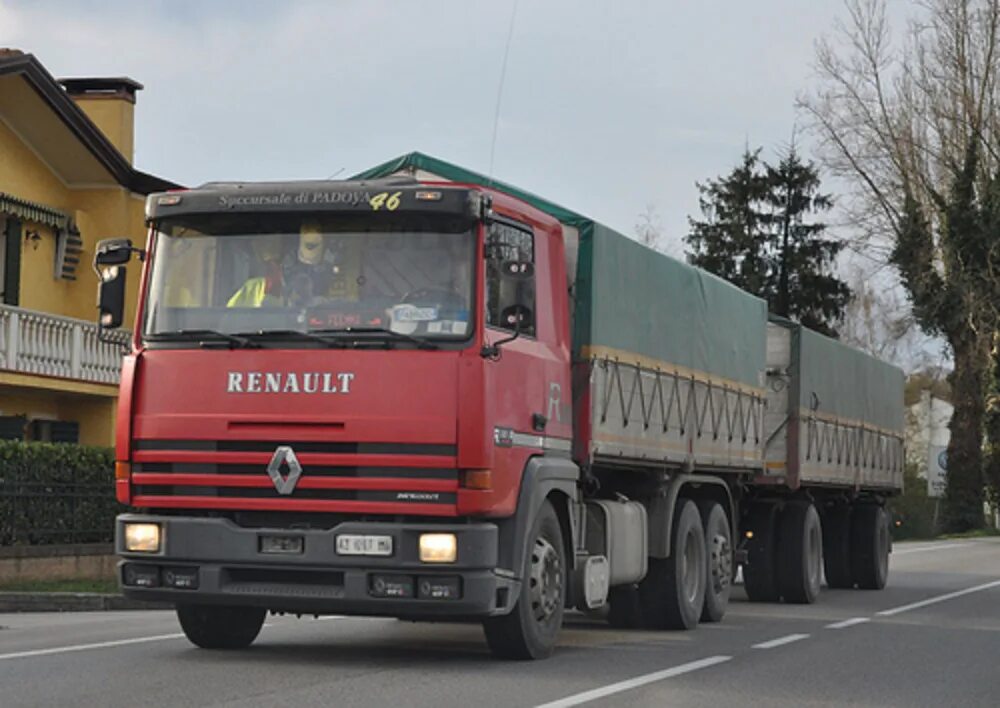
836	380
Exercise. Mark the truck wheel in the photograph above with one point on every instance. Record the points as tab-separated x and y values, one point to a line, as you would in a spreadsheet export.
529	631
870	547
672	594
220	627
800	553
719	555
759	573
837	547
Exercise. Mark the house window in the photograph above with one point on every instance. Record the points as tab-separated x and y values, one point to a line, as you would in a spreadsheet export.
12	427
54	431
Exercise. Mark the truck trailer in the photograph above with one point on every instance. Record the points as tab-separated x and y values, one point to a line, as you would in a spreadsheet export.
426	394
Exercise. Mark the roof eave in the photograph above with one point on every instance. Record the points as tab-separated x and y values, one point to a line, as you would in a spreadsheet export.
50	91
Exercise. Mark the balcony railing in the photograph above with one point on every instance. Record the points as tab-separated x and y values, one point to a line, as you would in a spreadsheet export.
38	343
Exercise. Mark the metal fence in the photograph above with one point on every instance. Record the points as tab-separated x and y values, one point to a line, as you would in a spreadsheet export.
34	512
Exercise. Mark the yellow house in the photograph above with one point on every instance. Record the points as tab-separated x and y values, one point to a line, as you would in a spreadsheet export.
66	181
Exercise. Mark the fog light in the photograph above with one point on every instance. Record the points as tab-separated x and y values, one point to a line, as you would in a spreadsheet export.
438	547
391	586
142	538
184	578
439	588
141	576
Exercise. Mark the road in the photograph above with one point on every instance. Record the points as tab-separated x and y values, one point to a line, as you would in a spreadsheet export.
931	638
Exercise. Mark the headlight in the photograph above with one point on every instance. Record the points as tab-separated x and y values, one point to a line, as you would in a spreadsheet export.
142	538
438	548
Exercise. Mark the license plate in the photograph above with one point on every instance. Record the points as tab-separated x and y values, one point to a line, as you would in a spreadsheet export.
351	545
281	544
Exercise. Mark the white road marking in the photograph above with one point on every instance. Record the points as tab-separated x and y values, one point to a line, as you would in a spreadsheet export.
939	598
84	647
848	623
636	682
788	639
941	547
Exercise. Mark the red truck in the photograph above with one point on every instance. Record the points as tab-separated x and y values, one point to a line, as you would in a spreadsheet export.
421	393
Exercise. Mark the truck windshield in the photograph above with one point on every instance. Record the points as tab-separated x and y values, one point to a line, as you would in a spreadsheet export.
280	276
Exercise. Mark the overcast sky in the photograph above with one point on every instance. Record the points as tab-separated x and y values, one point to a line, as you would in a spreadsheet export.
607	106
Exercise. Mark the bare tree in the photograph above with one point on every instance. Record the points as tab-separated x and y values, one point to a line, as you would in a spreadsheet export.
649	228
877	321
914	126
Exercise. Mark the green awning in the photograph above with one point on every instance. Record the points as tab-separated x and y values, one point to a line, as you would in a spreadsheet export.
33	212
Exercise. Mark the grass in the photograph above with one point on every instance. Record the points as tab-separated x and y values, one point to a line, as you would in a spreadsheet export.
986	532
102	586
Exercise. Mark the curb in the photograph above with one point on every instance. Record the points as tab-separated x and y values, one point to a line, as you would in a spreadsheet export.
72	602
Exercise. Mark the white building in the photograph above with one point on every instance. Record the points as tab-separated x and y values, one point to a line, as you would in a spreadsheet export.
927	437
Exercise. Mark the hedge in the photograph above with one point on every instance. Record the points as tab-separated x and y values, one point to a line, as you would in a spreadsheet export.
56	493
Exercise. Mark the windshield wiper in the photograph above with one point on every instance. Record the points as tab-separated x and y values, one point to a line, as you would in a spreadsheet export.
346	333
286	333
234	340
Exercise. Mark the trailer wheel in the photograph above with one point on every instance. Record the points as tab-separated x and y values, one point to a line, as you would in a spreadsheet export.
220	627
759	573
672	594
529	630
719	555
837	547
800	553
870	547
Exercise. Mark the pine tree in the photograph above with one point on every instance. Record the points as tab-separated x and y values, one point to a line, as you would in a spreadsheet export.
801	286
732	241
756	234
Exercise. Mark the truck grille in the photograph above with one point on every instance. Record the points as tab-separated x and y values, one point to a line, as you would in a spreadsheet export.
360	477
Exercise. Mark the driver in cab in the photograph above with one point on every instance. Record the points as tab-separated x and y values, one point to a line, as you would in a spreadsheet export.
313	274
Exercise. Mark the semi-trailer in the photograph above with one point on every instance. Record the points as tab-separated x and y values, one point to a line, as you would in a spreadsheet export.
427	394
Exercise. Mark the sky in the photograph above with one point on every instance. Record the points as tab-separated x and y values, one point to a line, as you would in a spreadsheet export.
612	109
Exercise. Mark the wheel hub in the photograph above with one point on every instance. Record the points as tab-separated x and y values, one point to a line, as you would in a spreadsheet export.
545	580
720	563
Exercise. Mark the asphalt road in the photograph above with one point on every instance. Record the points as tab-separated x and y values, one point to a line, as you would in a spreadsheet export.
931	638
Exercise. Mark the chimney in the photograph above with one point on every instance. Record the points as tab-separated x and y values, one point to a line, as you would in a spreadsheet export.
110	105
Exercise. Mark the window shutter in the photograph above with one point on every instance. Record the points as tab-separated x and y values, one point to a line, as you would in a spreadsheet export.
64	432
12	427
12	263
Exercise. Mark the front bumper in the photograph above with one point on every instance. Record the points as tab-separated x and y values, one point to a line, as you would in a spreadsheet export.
229	568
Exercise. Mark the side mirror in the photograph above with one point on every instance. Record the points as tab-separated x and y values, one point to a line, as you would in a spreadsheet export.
517	270
111	297
114	251
518	318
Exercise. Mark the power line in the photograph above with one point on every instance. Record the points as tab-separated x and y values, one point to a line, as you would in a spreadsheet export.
503	76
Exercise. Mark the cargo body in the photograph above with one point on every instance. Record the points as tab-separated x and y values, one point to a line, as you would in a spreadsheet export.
650	396
422	393
822	432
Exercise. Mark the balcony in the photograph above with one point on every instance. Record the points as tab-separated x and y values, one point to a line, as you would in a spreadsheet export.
48	345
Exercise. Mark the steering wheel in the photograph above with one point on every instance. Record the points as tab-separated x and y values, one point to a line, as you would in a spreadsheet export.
438	296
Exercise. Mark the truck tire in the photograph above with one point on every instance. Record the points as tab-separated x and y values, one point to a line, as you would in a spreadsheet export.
672	594
719	560
220	627
760	578
800	553
530	629
870	547
837	547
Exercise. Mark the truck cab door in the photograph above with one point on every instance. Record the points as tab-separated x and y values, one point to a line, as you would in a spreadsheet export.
527	383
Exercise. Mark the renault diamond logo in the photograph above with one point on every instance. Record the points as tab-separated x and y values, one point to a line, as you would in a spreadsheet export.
284	455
